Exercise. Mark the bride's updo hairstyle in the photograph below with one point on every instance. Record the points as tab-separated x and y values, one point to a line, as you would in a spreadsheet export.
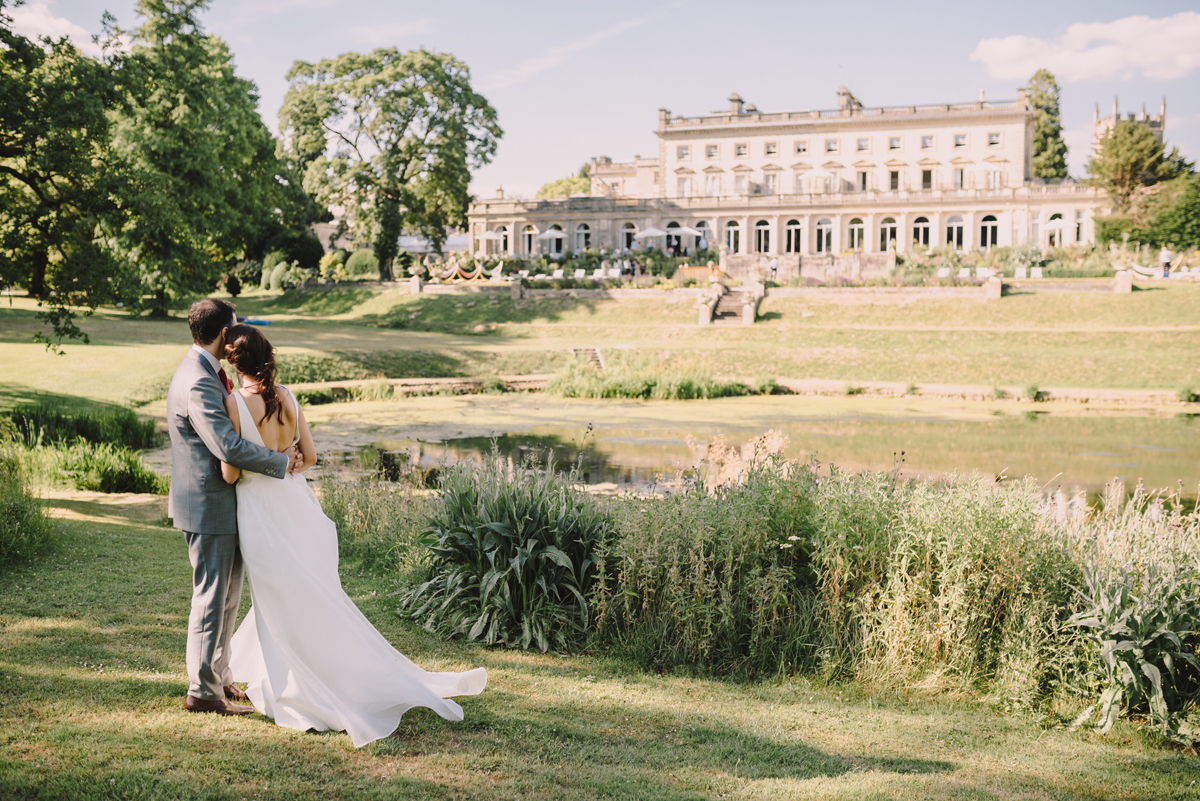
251	354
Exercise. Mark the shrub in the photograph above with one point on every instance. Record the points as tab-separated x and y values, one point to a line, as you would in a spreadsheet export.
44	423
277	274
513	554
362	264
300	247
1186	395
270	262
580	380
1034	393
248	272
315	397
999	393
25	531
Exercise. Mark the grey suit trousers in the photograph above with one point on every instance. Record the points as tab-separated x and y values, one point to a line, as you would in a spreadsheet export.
217	577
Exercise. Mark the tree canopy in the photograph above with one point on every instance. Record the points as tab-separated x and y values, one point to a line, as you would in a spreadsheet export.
1127	158
581	182
390	138
1049	149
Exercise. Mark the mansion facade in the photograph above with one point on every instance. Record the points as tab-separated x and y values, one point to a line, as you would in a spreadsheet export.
802	183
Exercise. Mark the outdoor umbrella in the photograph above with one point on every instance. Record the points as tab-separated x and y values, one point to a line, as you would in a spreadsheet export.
551	234
649	232
684	231
491	236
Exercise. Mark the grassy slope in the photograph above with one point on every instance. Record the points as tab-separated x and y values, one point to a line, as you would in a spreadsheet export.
92	675
1144	340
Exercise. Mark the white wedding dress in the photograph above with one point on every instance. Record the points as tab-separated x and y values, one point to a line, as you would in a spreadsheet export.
311	658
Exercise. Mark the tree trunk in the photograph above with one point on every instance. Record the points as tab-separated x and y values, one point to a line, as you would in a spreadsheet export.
160	304
37	279
387	243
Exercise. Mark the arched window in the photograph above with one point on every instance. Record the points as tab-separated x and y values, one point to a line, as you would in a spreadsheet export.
674	240
921	231
705	240
887	233
856	234
627	232
793	236
583	236
954	232
556	242
528	238
733	236
824	235
762	237
503	231
988	232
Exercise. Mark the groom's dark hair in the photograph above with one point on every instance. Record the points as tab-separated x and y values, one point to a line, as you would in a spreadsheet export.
207	317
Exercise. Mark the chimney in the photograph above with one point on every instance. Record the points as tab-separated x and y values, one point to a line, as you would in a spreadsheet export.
1116	112
735	104
1096	115
1144	117
1022	101
664	118
1164	111
981	97
500	193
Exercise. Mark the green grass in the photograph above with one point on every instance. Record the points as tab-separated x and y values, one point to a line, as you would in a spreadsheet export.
92	678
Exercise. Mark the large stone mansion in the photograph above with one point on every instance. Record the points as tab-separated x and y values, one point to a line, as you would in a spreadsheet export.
790	184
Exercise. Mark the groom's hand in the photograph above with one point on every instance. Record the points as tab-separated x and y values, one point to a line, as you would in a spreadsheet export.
295	458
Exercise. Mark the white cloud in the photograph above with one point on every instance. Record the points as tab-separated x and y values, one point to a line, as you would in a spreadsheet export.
37	19
388	34
1163	49
555	56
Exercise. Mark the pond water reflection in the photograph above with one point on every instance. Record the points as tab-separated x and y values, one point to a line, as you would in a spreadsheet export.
1076	453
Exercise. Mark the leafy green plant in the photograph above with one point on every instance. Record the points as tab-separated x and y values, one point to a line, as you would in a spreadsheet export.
1034	393
378	523
277	273
513	556
99	467
853	390
1146	639
363	264
46	423
999	393
1186	395
304	368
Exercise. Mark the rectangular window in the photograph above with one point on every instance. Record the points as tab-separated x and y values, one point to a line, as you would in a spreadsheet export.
831	145
1078	226
739	184
957	179
927	143
993	140
799	184
682	187
861	182
893	143
770	182
960	140
712	151
993	179
862	145
927	179
894	180
683	153
771	149
802	147
712	185
741	150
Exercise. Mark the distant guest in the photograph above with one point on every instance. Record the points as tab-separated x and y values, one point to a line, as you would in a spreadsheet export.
1164	258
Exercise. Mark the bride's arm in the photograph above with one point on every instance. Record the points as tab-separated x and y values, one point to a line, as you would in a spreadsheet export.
228	472
307	448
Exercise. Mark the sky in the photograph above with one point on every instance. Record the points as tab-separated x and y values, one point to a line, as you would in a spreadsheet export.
575	80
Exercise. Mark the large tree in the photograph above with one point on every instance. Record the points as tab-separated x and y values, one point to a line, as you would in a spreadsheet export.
1127	158
58	181
1049	149
205	173
390	139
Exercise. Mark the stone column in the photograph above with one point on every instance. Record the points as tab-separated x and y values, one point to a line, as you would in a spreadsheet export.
937	236
902	233
838	234
871	245
970	236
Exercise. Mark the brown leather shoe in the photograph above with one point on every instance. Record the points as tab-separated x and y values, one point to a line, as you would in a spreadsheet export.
234	694
218	705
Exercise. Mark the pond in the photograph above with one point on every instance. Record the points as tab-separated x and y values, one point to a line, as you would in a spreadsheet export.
1067	449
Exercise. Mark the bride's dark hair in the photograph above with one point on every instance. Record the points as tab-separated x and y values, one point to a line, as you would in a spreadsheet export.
251	354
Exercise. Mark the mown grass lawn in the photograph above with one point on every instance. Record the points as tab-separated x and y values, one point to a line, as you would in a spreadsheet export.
92	678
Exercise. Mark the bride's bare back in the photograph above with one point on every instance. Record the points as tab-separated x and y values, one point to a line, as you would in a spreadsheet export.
277	433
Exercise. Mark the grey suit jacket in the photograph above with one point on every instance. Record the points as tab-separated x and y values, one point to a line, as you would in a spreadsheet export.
202	437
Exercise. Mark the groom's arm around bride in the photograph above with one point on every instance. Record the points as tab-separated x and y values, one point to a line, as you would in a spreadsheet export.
204	507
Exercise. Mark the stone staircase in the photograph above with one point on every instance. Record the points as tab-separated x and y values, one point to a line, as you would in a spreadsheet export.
729	308
590	355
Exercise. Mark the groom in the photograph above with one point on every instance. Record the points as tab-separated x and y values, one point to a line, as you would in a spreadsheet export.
204	507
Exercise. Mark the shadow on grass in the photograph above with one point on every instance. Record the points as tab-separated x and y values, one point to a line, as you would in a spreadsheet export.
13	395
318	301
461	314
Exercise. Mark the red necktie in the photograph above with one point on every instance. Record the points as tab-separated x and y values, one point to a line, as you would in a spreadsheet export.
225	382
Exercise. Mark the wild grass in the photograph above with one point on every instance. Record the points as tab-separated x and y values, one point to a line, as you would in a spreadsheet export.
643	376
89	466
378	522
25	532
50	423
92	659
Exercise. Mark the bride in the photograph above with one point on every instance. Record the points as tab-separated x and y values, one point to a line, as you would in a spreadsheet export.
310	657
